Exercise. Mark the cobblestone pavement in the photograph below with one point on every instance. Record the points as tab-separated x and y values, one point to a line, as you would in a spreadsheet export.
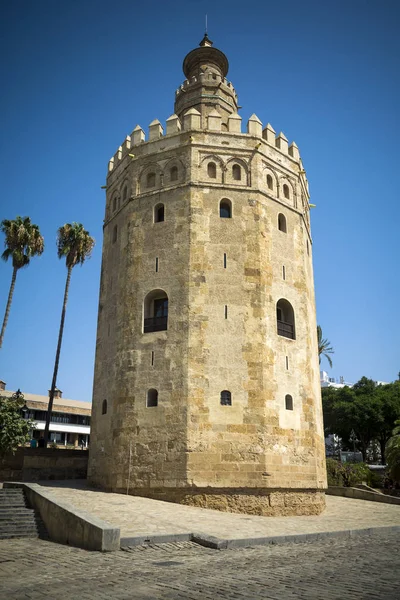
364	567
138	516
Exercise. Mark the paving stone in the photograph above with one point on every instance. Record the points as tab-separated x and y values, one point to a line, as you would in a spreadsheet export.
357	568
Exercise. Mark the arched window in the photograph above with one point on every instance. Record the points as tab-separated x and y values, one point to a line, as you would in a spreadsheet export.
288	402
212	170
173	174
270	182
285	319
152	398
115	234
159	213
282	222
124	193
104	407
286	192
114	205
226	398
225	209
236	172
155	311
151	180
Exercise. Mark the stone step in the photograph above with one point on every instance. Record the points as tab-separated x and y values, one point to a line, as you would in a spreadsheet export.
8	536
5	514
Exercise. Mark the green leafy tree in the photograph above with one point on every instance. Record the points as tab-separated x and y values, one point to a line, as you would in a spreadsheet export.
366	408
75	245
324	347
14	429
393	453
23	241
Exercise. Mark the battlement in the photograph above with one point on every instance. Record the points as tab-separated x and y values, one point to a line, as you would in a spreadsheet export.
192	122
204	79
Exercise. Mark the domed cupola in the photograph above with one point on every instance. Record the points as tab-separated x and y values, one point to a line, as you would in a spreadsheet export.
206	88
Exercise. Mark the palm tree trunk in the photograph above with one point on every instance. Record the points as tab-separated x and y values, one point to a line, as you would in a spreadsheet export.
53	383
8	307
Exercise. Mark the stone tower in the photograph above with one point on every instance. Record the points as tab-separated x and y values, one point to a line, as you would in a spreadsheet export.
206	387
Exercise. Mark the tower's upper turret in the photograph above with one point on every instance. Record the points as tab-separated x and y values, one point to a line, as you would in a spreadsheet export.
206	88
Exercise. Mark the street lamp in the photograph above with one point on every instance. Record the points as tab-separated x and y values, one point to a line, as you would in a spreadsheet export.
19	398
353	438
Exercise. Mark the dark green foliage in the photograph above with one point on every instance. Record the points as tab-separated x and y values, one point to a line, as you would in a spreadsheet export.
393	454
347	474
14	429
368	409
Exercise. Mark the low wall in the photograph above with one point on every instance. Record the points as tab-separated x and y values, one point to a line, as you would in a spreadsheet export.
350	492
66	524
41	464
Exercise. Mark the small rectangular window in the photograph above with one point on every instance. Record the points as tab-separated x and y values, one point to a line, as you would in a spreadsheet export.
152	358
224	261
157	264
284	272
226	311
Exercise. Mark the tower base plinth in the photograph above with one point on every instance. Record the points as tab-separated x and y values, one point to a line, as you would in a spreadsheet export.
262	502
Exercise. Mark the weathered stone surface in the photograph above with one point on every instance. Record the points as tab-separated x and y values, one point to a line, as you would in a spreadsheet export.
223	278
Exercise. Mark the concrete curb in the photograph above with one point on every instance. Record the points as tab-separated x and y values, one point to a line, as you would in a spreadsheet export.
210	541
66	524
357	494
155	539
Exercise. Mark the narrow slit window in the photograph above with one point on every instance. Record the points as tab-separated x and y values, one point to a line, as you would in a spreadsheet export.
224	260
151	180
152	358
308	248
115	234
288	402
236	172
282	222
287	363
226	398
104	407
286	192
157	264
159	213
283	272
225	209
114	205
152	398
212	170
226	311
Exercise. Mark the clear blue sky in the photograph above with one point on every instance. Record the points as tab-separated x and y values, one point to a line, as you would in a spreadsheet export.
78	76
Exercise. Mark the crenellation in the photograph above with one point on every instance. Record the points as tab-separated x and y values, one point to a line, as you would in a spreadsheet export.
138	136
234	123
127	143
173	125
155	130
214	121
191	120
269	134
294	151
254	126
281	142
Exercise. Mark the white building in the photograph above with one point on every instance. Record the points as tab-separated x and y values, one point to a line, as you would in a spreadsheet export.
70	419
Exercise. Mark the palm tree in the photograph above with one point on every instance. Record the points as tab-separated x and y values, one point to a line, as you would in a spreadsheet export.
23	241
324	347
75	244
